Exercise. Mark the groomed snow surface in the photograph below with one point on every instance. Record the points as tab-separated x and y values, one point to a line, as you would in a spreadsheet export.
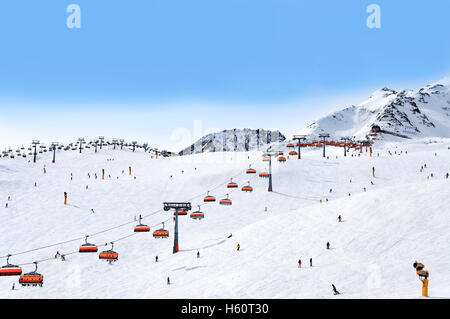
404	216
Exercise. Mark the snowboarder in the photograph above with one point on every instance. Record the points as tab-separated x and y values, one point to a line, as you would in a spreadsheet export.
373	171
168	280
310	262
92	210
334	290
446	175
299	263
229	236
238	247
328	245
156	259
198	254
339	218
65	198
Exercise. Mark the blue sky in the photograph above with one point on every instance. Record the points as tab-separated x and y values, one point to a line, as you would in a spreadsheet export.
142	68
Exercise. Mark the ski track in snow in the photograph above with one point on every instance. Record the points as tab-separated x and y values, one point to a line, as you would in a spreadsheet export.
403	217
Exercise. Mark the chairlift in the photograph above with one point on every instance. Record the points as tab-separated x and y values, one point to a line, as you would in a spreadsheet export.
109	255
141	228
87	247
226	201
10	269
161	233
32	278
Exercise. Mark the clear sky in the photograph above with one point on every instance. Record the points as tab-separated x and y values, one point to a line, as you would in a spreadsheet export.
144	69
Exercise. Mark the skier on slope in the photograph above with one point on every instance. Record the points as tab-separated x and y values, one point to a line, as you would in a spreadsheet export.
198	254
156	259
299	263
446	176
310	262
168	280
335	290
328	245
339	218
238	247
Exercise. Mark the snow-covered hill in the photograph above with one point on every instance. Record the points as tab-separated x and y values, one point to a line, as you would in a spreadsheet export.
234	140
389	221
407	114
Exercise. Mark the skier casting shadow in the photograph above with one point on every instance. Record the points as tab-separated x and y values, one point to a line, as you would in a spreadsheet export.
334	290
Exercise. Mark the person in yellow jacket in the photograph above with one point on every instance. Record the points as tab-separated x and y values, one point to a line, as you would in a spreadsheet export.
238	247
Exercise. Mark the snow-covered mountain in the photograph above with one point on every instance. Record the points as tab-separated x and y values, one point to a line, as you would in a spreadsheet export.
406	114
234	140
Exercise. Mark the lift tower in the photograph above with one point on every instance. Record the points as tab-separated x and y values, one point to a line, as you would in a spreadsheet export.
81	141
299	139
101	138
346	140
178	206
35	143
323	137
270	154
54	144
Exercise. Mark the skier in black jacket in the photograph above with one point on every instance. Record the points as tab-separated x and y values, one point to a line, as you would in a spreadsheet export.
334	290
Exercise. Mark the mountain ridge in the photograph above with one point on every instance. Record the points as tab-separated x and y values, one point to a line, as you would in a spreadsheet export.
407	113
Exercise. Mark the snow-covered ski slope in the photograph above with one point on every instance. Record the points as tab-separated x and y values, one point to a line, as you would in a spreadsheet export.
404	216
